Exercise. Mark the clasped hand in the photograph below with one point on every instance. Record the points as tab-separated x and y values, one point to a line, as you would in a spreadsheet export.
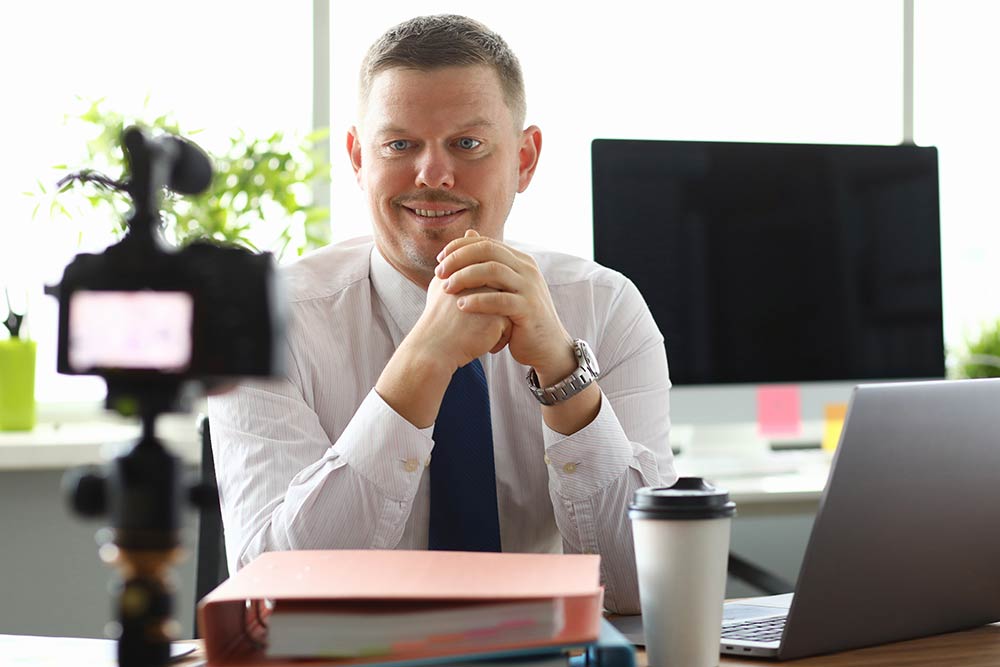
507	293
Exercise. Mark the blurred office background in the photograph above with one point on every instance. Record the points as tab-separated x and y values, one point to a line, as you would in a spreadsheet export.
771	70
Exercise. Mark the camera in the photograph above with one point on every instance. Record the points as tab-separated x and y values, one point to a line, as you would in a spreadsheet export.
149	318
157	322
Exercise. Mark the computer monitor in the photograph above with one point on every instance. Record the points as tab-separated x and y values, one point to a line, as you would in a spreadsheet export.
772	263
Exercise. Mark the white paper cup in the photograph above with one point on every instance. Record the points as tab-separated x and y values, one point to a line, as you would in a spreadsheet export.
681	536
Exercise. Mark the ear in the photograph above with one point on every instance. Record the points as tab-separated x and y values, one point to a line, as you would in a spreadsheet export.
531	148
354	151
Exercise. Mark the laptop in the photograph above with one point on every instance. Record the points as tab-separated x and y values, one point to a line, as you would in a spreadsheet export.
906	542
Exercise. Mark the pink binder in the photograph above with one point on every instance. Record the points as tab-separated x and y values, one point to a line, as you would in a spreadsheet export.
233	617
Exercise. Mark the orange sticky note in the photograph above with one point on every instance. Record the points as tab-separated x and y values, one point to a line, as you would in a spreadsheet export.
833	424
779	409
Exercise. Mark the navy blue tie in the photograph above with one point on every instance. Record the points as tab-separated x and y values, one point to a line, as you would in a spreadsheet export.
463	478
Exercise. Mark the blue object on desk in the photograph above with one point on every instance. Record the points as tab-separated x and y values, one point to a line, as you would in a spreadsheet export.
612	649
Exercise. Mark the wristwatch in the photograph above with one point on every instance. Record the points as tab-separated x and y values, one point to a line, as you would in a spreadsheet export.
586	372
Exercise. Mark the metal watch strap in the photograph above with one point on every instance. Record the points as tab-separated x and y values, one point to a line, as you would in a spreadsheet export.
584	375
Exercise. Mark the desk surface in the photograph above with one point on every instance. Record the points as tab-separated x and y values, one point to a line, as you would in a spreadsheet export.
74	442
971	648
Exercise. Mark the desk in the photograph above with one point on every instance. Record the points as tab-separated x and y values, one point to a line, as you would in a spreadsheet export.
971	648
92	439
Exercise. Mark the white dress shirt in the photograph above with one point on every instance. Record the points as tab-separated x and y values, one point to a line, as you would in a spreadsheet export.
317	460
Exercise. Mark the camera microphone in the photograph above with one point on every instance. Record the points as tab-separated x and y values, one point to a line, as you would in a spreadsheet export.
166	161
191	171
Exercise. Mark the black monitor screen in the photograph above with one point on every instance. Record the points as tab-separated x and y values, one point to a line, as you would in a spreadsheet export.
778	262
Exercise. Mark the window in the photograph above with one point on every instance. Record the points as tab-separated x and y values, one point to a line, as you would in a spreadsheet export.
218	65
957	109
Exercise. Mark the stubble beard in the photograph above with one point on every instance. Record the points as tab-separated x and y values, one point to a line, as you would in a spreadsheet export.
412	247
414	252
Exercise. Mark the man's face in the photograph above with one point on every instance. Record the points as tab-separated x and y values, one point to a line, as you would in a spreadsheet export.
437	153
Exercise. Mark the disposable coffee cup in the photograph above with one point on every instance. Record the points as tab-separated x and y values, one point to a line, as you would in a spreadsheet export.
681	535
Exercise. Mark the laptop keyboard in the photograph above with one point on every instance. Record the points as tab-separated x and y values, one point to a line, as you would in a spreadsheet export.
756	630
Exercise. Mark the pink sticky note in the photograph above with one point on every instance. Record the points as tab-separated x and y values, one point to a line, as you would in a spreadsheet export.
779	409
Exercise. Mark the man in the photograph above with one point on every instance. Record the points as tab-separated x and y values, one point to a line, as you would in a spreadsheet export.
338	454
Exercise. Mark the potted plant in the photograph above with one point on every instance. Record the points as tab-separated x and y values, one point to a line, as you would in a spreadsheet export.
260	196
981	357
17	373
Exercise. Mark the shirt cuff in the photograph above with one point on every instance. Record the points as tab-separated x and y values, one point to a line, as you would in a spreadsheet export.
589	460
385	448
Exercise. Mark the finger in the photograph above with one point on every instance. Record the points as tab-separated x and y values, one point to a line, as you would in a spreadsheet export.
519	254
504	339
471	236
493	303
488	274
476	251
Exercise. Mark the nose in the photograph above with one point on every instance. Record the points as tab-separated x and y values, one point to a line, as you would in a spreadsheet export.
435	169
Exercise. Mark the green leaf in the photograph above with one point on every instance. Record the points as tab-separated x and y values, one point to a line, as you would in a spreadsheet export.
260	189
317	213
319	134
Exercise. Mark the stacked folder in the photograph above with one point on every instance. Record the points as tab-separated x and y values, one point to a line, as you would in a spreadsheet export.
427	607
386	629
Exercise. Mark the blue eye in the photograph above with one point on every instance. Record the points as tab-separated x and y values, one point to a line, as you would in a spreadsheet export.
399	145
468	143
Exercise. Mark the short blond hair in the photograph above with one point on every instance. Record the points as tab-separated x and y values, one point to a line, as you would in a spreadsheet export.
427	43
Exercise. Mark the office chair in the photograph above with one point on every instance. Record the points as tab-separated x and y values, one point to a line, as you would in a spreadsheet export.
211	565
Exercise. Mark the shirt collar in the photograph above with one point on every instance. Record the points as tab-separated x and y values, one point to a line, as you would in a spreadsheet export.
402	298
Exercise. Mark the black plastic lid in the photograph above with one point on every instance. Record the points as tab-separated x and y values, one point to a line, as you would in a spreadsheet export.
689	498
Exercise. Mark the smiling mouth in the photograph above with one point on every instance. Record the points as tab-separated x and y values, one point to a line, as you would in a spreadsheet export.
429	216
434	214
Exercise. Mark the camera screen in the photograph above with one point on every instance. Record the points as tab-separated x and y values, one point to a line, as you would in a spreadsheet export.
130	330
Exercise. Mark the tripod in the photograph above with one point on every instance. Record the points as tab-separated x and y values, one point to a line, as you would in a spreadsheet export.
141	491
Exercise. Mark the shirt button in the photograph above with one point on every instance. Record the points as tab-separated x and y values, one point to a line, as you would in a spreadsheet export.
569	468
411	465
547	459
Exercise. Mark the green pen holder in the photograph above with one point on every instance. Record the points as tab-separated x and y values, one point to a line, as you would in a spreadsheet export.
17	384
